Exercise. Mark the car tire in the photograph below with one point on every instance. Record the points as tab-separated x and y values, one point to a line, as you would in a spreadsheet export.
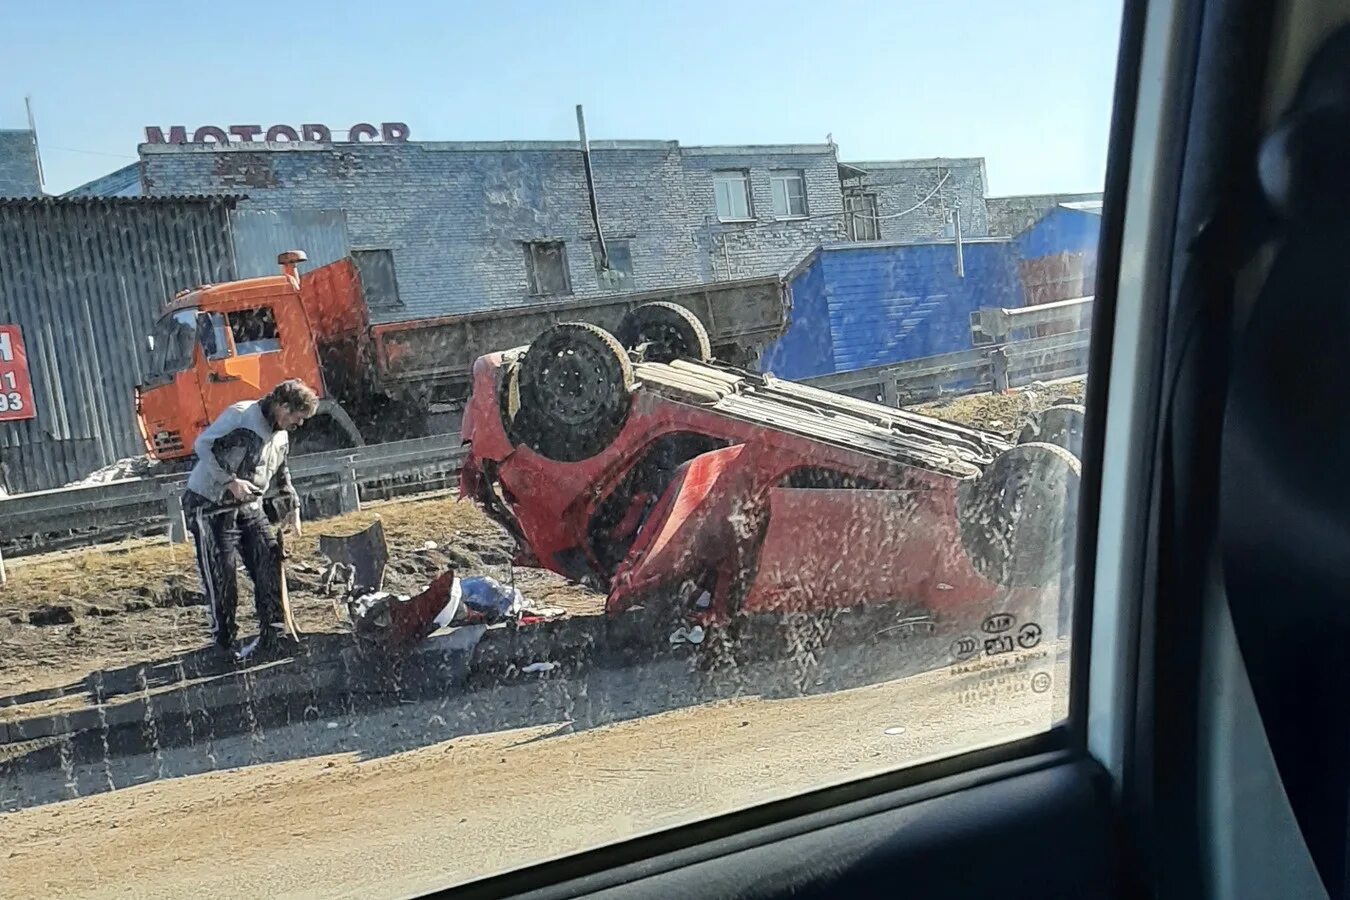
1017	518
575	384
1061	425
669	332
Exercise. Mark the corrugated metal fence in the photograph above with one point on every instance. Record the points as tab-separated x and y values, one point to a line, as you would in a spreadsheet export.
84	279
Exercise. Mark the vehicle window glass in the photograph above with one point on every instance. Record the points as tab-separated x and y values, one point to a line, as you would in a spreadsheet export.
211	335
254	331
173	339
705	445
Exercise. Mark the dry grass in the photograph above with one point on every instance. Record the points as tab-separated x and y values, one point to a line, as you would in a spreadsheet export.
1001	413
116	576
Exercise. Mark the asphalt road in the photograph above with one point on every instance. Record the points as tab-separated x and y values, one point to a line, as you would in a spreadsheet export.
403	800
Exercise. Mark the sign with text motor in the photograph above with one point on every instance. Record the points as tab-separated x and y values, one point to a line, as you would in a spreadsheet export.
16	387
360	133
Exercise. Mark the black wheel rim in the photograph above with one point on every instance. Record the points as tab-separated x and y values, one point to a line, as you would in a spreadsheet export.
575	385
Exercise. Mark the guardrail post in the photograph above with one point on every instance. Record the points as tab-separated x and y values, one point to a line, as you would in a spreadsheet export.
177	521
998	361
349	491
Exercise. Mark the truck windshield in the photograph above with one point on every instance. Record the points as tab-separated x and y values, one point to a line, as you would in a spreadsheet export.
174	336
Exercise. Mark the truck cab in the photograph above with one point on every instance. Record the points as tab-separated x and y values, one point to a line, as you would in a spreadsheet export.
217	345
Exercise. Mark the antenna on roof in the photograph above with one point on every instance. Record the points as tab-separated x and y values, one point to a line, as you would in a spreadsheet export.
37	151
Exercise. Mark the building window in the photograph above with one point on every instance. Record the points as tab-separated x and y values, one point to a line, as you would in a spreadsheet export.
733	195
860	211
789	193
619	275
379	283
546	268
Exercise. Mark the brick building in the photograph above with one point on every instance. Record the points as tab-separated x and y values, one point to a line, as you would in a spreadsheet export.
1013	215
470	226
914	199
19	172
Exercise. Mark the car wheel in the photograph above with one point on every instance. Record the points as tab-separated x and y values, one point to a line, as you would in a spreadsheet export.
575	383
668	331
1017	518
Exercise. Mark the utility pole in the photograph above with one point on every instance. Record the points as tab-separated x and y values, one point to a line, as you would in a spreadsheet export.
960	251
590	189
37	151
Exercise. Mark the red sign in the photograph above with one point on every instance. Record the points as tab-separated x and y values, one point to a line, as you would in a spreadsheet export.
16	388
362	132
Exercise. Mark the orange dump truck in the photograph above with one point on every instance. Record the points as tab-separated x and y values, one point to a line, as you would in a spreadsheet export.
218	344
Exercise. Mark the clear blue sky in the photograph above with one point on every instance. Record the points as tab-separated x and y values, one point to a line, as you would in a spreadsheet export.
1026	85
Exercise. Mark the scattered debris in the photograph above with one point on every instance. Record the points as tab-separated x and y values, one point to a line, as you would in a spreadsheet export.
131	467
539	667
892	732
684	635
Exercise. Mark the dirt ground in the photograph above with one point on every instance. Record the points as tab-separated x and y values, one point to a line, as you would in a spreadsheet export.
351	824
65	615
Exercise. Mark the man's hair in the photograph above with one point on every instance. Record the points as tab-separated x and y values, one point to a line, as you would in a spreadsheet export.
296	396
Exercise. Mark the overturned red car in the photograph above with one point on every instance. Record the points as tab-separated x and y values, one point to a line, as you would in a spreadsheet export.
634	463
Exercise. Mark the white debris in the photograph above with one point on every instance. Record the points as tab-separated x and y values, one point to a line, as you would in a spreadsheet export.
892	732
131	467
429	545
539	667
331	725
704	600
684	635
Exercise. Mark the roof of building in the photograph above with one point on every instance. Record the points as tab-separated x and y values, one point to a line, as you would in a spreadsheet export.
1087	206
930	163
161	200
123	182
491	147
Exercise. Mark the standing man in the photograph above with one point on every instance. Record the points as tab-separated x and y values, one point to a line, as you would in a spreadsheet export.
240	457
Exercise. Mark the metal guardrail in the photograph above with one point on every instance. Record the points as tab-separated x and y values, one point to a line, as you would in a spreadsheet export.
333	479
984	368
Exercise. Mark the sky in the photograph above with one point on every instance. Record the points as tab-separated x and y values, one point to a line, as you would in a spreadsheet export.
1026	85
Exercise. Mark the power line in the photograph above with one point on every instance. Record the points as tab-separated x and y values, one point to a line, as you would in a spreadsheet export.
93	152
931	195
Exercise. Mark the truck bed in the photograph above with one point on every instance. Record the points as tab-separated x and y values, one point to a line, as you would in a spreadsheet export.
741	317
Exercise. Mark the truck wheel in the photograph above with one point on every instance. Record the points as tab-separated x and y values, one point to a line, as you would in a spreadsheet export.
1059	425
669	331
575	382
1017	518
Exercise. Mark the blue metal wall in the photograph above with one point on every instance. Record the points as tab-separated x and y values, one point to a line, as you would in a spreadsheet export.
806	348
860	305
1062	230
